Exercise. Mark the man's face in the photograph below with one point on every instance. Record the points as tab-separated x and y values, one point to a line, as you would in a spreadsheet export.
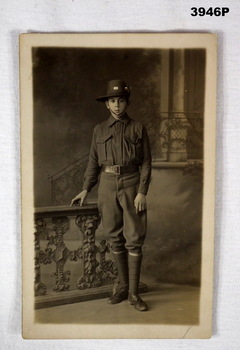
117	106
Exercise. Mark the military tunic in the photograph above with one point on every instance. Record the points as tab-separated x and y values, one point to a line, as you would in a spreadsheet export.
121	142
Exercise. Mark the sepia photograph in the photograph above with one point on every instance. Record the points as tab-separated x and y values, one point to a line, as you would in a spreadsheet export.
118	173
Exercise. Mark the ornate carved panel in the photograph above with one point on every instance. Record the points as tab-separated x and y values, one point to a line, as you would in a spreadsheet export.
53	223
40	288
95	273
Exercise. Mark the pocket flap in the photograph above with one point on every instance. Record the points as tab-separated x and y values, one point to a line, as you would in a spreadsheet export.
133	139
104	138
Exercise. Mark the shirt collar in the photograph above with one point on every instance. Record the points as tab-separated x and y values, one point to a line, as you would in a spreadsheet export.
125	119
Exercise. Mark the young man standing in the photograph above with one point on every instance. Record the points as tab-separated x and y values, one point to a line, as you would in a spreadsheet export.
120	152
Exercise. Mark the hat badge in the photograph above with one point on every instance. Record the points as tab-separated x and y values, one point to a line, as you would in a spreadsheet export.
115	88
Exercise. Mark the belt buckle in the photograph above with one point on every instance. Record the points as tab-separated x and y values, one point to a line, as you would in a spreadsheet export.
116	169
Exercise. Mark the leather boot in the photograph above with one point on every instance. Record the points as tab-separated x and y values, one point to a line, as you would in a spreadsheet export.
134	265
121	260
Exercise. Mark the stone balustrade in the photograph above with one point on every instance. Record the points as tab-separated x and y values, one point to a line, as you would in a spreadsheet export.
97	274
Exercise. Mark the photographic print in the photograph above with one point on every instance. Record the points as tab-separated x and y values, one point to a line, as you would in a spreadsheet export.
118	173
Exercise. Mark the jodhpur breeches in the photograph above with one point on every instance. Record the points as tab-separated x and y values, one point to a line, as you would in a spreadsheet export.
125	227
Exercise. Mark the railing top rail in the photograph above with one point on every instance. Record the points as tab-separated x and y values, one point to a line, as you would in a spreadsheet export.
182	112
65	210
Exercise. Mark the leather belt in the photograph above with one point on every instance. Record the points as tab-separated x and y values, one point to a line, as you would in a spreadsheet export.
118	169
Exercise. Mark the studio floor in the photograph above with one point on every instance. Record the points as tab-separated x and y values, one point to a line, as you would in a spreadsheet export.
168	304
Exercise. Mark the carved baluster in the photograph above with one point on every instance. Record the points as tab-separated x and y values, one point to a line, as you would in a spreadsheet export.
40	288
107	269
88	225
61	253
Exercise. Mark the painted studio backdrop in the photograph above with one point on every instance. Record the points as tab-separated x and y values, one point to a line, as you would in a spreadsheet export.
168	98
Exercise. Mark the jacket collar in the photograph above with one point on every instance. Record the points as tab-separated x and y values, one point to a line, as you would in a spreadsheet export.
125	119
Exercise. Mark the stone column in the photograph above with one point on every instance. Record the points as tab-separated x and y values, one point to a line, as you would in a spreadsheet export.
178	124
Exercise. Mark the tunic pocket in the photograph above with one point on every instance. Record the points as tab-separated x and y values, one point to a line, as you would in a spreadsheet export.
102	147
133	147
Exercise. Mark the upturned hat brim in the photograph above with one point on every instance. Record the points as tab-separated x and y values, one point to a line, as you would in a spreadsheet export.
105	98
